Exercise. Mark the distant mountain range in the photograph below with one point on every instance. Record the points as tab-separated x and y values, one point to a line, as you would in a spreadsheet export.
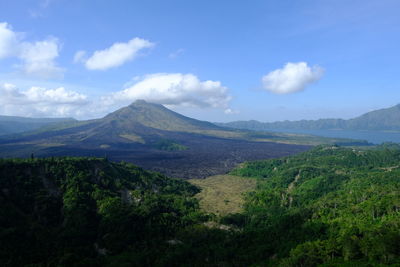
379	120
12	124
152	137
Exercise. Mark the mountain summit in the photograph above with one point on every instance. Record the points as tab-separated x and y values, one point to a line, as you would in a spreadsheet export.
158	117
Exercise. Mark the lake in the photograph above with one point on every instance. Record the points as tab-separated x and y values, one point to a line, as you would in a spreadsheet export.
375	137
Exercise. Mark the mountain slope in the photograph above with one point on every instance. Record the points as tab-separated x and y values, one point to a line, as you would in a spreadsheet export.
383	119
140	122
158	117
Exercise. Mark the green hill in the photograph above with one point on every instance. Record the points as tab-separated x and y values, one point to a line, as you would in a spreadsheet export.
333	206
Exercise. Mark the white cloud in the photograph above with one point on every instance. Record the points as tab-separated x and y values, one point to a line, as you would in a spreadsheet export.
37	58
38	101
117	54
58	95
173	89
8	41
170	89
293	77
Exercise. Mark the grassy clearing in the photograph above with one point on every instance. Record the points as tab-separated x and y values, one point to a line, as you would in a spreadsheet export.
223	194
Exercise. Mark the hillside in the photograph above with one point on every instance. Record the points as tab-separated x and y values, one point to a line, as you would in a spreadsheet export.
77	211
333	206
13	125
379	120
154	138
329	206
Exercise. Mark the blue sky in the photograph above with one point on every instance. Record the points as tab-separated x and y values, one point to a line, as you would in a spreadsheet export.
212	60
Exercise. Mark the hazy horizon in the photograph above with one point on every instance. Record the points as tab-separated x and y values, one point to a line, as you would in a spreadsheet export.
186	112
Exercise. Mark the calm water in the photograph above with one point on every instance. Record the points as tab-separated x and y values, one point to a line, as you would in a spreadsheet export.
375	137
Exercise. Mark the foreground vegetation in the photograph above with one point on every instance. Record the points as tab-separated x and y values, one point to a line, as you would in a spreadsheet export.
80	211
330	206
326	206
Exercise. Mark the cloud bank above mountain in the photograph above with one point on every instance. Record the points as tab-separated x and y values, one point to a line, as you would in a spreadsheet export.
40	102
174	89
170	89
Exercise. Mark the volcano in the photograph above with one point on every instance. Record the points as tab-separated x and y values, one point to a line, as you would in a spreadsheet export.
151	136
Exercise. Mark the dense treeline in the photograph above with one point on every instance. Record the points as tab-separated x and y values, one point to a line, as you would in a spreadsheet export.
70	211
329	206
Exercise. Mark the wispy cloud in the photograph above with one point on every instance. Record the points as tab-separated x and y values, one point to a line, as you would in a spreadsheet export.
114	56
80	56
176	53
45	3
41	7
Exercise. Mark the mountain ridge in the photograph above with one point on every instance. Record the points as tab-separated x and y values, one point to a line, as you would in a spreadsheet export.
16	124
386	119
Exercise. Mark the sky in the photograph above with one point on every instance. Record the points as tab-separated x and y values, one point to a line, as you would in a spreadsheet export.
211	60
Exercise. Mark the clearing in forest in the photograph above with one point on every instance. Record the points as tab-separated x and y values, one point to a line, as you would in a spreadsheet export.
223	194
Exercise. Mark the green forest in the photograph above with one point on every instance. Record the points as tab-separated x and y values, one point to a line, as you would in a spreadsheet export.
88	212
330	206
